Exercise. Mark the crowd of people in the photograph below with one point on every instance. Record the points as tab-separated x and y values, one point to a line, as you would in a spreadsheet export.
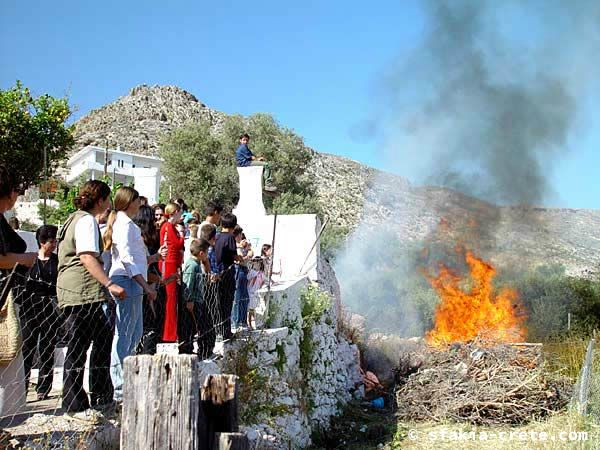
120	277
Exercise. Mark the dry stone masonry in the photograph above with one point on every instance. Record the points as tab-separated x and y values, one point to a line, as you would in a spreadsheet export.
295	374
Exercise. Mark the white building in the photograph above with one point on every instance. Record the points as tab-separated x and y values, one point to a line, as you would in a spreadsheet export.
127	168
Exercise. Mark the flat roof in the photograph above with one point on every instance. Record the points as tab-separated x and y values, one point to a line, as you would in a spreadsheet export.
89	148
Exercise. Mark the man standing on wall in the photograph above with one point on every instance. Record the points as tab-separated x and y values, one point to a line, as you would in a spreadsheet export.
245	158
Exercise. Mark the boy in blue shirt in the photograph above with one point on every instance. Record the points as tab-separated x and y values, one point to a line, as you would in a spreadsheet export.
244	158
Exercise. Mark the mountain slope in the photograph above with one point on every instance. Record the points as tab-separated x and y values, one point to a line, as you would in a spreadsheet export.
353	194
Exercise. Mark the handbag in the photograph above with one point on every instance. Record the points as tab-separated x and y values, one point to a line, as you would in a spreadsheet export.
10	332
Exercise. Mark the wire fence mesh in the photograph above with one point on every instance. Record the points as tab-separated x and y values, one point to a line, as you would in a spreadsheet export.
57	389
586	392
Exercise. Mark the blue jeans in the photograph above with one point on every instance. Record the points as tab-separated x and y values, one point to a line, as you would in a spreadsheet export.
129	328
241	299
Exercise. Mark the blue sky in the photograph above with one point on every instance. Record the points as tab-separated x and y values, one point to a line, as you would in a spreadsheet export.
316	66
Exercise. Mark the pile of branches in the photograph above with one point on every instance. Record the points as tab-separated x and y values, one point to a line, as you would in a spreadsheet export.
502	384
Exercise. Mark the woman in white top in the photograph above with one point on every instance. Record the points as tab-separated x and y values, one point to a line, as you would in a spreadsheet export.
129	269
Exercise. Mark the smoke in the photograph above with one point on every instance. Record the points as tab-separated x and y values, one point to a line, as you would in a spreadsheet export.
488	97
485	104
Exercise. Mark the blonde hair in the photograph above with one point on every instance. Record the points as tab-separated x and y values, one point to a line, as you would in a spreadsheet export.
171	209
194	230
124	197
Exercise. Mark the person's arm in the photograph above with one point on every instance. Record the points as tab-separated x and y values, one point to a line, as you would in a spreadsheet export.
9	260
91	264
149	290
160	254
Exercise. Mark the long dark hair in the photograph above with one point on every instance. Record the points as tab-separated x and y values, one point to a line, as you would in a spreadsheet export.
145	220
90	193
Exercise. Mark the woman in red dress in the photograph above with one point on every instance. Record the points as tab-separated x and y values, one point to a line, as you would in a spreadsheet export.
172	264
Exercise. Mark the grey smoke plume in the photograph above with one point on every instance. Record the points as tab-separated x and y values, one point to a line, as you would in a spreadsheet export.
484	104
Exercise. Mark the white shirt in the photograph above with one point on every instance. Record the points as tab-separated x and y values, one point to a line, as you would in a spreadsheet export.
206	222
129	254
87	235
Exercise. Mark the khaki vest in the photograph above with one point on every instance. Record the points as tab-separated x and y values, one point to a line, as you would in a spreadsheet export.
75	285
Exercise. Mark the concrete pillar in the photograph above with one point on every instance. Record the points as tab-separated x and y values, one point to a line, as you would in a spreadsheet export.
250	204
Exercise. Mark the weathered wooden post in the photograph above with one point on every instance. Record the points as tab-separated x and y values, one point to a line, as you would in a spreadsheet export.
218	420
161	401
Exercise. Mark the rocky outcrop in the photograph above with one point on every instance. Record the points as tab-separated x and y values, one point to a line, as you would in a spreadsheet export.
138	121
341	185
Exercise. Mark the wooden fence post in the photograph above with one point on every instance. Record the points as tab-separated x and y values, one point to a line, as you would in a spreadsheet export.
161	402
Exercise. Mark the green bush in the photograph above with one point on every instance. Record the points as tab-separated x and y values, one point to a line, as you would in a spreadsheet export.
549	295
332	241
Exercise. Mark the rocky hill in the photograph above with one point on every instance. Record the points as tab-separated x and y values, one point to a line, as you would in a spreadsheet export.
354	194
137	121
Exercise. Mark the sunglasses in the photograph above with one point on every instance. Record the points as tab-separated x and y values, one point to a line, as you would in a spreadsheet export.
158	215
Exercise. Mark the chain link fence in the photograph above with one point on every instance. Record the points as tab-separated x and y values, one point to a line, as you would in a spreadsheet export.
32	395
586	393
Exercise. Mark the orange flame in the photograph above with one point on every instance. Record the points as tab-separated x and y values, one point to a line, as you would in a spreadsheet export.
479	312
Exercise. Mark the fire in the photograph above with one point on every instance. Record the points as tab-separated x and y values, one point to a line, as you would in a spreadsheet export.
478	312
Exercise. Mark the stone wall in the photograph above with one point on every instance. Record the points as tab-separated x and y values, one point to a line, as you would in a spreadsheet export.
295	374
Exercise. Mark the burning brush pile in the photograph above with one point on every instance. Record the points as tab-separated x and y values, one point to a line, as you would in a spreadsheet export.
475	367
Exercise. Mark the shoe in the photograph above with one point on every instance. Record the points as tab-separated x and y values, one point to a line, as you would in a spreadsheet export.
270	189
43	396
105	407
89	415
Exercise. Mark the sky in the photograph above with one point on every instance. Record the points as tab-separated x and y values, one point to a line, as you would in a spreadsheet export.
317	66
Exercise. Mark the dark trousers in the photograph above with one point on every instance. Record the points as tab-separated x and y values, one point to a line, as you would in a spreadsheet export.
153	323
40	325
85	325
187	327
209	319
226	294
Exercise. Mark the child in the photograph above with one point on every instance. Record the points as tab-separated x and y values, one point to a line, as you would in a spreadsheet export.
241	299
226	253
209	316
244	158
194	292
256	278
266	253
213	212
